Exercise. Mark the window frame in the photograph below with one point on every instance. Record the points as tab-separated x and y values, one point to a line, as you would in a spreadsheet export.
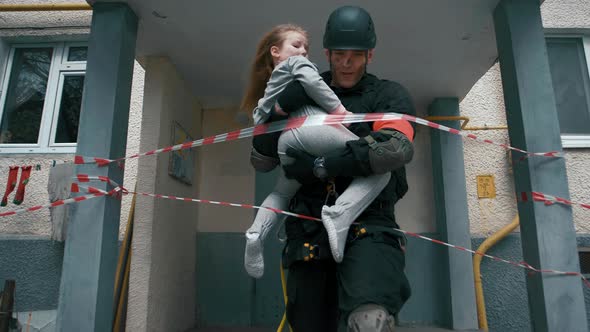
56	108
576	141
59	68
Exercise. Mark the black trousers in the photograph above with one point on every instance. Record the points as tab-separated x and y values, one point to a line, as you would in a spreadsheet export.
313	296
322	293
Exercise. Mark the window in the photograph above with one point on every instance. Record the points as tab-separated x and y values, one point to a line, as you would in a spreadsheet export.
584	256
41	98
569	60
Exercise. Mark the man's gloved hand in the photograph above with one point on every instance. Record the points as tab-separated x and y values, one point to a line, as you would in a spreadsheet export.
301	169
307	168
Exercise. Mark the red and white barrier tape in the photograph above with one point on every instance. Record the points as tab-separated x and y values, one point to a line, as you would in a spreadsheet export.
247	206
548	199
87	178
308	121
523	265
94	192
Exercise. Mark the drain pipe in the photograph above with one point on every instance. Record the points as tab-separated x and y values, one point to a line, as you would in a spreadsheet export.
483	248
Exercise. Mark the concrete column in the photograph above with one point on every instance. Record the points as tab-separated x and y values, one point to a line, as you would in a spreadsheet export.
452	218
556	303
90	257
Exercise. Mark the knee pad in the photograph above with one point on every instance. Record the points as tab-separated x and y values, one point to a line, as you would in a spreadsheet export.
370	318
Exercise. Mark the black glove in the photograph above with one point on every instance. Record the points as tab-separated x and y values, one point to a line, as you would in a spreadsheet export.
294	97
302	168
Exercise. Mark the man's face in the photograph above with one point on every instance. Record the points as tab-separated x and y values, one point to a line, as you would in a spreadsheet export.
348	66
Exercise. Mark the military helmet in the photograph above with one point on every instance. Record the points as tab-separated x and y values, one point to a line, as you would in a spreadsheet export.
350	28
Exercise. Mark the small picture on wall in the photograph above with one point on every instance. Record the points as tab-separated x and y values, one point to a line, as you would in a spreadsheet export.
182	162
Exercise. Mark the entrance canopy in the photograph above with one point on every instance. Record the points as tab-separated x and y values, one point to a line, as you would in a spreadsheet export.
436	48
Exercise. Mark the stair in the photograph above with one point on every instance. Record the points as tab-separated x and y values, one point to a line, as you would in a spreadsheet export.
260	329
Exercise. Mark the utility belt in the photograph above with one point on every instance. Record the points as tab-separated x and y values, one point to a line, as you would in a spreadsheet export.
379	233
308	250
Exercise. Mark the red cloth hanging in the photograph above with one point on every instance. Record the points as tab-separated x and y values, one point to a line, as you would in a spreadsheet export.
24	179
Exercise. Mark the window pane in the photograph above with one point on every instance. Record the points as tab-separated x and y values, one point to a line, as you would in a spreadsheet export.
78	53
25	96
69	109
569	72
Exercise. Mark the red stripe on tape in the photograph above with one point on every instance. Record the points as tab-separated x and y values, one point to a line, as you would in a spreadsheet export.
233	135
260	129
93	190
83	178
209	140
293	123
102	162
186	145
79	199
57	203
6	214
78	160
35	208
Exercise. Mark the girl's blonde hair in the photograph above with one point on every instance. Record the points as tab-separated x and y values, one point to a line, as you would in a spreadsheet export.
263	65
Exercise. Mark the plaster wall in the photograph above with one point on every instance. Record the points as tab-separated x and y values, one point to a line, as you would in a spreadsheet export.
225	175
43	27
484	105
51	25
162	289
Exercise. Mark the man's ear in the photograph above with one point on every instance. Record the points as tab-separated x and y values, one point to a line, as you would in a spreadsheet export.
370	55
327	52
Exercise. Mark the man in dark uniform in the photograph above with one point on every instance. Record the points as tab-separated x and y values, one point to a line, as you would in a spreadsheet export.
365	290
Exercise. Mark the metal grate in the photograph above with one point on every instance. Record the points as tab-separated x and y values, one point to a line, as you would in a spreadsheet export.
584	254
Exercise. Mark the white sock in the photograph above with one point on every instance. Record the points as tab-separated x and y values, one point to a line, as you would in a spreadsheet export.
253	255
337	221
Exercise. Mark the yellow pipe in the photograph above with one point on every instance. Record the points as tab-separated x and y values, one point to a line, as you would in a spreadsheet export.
44	7
125	252
483	248
464	124
284	286
449	118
